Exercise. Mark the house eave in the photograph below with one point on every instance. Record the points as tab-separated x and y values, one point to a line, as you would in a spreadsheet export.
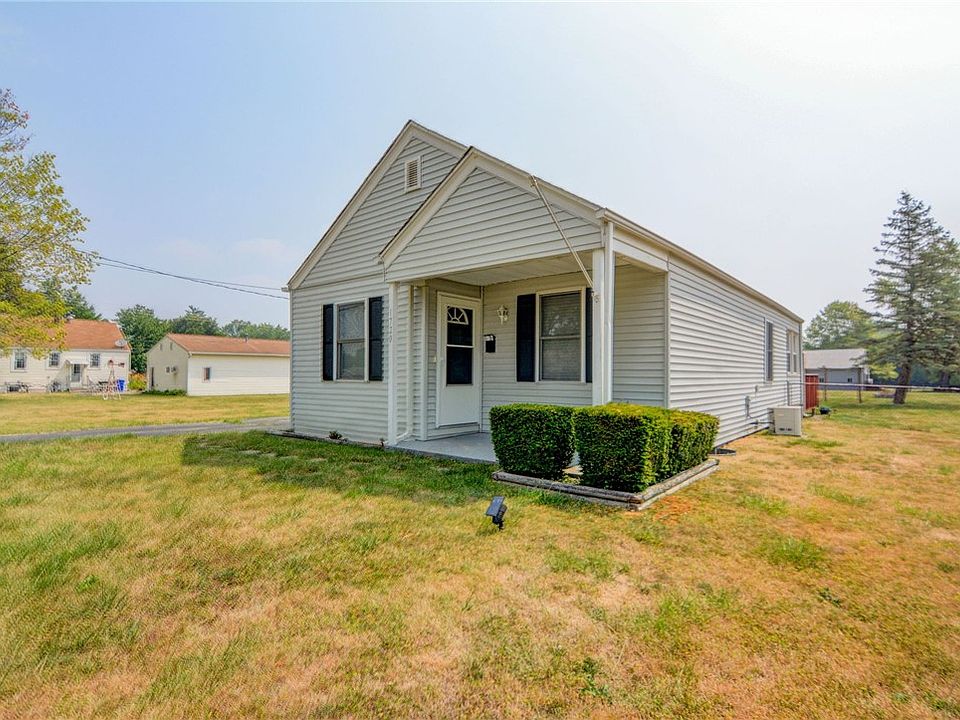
411	129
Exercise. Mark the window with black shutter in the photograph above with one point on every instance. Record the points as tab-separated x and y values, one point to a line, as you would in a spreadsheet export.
375	334
526	337
327	331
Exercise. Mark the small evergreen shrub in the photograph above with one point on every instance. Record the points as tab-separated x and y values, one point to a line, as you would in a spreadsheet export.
534	440
621	446
174	391
692	437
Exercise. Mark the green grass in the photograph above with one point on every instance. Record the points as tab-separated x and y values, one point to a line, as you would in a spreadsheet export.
250	575
49	412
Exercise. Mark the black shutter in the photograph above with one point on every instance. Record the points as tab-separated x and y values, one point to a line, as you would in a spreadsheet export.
327	373
588	335
526	337
375	335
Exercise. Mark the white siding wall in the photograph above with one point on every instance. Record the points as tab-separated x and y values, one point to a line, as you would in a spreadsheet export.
353	253
356	409
167	354
489	221
500	384
38	375
238	375
717	353
639	336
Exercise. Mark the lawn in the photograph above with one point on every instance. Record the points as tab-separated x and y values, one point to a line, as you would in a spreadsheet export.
248	575
47	412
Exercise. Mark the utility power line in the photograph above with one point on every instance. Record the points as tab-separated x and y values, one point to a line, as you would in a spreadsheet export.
103	261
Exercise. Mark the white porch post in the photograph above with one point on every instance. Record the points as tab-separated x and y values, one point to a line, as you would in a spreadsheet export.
392	364
610	267
603	278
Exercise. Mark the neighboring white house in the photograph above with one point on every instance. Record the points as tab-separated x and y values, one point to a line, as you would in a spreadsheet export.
444	288
89	348
846	366
215	365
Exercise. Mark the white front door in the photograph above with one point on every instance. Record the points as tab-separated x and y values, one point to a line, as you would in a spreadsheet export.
76	374
458	360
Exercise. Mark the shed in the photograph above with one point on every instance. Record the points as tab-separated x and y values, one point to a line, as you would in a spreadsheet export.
216	365
844	366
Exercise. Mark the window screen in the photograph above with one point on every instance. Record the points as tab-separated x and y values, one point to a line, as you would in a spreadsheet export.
351	342
560	349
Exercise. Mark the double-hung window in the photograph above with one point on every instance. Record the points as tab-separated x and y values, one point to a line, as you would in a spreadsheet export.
351	345
561	336
793	351
19	359
94	360
53	360
351	341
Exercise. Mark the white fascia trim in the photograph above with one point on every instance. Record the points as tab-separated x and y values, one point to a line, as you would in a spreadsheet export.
672	248
410	131
472	160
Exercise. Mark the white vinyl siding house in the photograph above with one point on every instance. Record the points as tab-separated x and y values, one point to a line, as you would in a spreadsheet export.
91	350
209	365
483	303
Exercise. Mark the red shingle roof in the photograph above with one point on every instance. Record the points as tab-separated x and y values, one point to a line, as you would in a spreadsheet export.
92	335
234	346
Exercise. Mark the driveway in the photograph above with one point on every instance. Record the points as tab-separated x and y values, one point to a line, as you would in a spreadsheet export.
270	423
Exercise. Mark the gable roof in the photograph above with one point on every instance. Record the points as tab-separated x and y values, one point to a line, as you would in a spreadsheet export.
473	157
93	335
410	130
557	196
840	359
220	345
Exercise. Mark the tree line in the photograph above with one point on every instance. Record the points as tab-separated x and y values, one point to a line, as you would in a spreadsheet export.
914	335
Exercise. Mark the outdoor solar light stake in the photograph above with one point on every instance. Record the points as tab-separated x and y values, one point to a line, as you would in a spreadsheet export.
496	511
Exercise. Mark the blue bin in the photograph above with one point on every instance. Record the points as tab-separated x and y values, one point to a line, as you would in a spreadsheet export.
120	384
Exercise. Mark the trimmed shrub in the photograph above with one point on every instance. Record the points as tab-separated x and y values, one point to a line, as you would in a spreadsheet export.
534	440
137	381
692	437
621	446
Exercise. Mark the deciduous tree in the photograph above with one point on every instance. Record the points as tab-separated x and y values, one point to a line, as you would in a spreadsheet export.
841	324
40	232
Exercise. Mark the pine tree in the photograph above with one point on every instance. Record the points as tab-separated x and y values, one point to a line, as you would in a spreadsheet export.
916	287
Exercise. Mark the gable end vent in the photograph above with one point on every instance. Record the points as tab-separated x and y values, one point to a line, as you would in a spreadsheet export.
411	174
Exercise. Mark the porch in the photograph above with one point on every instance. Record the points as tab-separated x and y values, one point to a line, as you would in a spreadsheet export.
472	447
571	329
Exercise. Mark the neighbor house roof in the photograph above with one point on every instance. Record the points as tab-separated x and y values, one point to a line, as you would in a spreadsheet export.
835	359
219	345
92	335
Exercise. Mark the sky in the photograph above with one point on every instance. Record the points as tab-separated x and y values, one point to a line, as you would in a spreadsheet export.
222	140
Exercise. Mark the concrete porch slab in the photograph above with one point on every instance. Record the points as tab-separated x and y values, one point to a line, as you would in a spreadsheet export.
473	447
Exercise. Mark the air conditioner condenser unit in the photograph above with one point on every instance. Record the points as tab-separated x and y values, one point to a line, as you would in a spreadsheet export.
786	420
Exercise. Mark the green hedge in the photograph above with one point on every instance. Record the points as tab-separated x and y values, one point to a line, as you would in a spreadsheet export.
692	436
534	440
621	446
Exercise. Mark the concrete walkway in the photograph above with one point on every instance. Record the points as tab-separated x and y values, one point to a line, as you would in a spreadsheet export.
270	423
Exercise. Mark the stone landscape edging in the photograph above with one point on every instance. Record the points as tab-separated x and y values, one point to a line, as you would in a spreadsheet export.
615	498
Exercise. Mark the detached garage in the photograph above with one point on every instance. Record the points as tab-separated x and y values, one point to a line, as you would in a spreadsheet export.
214	365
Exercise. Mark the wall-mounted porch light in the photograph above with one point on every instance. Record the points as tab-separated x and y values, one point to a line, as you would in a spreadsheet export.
503	314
